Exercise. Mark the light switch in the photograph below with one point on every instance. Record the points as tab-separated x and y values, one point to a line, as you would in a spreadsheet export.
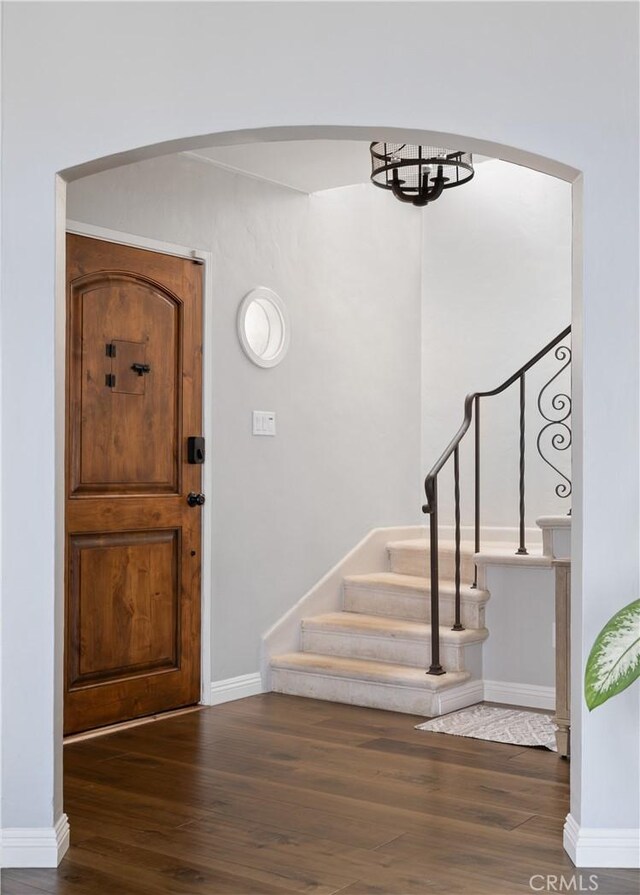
264	422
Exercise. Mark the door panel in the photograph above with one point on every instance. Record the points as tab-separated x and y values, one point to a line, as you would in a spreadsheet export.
123	607
121	322
134	395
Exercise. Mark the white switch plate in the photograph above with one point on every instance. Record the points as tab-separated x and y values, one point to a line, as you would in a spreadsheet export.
264	422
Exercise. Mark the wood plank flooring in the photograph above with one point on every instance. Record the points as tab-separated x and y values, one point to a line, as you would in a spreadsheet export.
276	795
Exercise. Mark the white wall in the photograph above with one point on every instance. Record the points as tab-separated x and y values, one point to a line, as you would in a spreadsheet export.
496	289
520	616
559	81
347	451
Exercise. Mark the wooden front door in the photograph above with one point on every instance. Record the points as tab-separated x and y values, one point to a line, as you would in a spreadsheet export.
134	396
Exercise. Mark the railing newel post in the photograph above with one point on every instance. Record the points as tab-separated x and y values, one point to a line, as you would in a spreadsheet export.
476	410
522	549
435	666
457	622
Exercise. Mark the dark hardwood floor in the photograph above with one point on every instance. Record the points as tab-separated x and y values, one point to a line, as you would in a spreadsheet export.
276	795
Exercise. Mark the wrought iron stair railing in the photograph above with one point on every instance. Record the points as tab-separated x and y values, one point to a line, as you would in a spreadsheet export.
561	440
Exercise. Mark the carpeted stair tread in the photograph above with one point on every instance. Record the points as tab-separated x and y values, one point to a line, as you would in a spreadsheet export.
367	670
415	585
384	626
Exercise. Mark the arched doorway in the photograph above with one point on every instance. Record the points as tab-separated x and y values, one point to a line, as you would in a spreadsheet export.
515	156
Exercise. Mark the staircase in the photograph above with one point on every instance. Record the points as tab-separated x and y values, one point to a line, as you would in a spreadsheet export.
409	637
375	651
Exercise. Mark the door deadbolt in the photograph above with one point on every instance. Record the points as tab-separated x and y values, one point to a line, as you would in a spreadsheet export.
195	449
195	500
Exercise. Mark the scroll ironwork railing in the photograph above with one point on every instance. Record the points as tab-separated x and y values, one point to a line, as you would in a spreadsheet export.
555	429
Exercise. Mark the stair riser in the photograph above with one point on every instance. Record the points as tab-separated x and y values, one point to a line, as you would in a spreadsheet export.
416	562
415	653
374	601
407	700
354	692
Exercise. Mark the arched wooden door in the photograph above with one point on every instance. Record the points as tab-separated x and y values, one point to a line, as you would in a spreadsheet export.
134	396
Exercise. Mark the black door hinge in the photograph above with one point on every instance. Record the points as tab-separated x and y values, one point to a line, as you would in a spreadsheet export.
111	349
110	380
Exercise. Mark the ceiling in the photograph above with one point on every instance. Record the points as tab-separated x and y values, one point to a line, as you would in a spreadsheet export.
305	165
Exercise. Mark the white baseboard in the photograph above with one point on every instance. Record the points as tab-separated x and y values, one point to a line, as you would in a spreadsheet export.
236	688
35	846
530	695
460	697
592	847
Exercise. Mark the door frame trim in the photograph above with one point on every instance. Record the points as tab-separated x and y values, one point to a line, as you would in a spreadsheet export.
181	251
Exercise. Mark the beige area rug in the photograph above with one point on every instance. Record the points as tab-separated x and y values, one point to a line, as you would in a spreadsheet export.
484	722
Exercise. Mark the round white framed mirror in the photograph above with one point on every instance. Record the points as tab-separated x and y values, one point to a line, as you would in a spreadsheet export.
263	327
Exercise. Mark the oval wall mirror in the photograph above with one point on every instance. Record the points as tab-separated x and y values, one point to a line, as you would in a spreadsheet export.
263	327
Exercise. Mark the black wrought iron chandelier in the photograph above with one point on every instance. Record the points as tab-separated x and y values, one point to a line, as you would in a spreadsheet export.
418	174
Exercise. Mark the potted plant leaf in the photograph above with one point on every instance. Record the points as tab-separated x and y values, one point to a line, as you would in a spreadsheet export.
614	660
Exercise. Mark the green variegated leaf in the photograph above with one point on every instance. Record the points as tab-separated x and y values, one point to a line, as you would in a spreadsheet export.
614	660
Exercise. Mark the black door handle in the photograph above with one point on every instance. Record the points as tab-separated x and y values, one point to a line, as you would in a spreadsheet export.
195	500
141	369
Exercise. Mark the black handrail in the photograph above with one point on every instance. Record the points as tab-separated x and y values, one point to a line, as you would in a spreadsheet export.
471	402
